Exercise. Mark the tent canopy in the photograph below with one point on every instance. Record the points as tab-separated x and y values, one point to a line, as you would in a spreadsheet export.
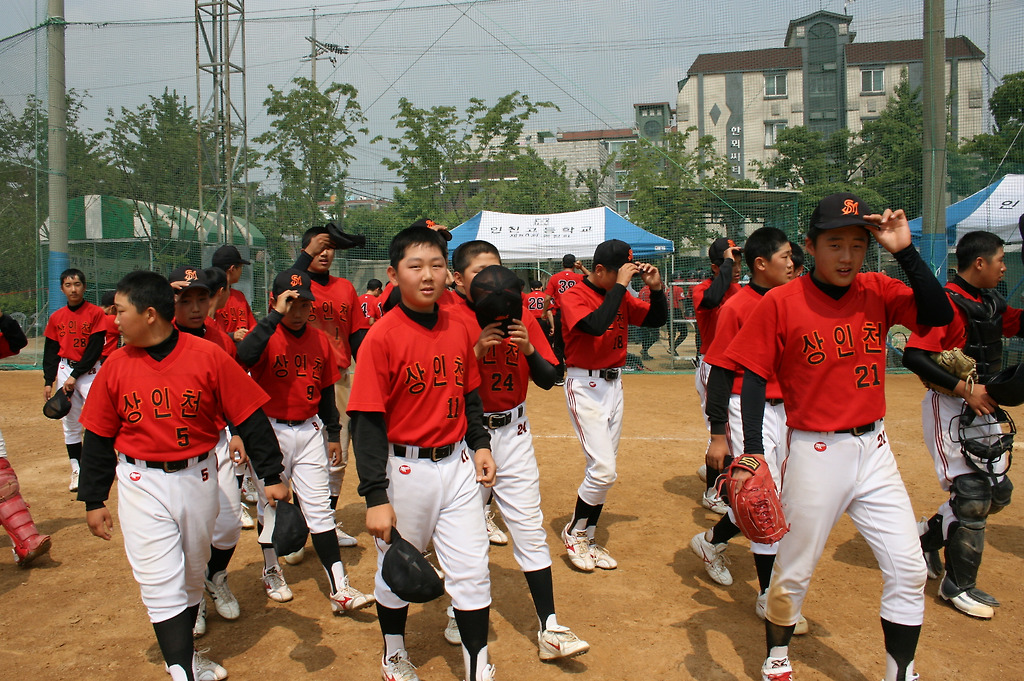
549	237
996	209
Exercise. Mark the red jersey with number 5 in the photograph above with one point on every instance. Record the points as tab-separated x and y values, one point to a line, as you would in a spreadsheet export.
417	377
236	313
72	328
294	370
609	349
829	355
172	409
336	312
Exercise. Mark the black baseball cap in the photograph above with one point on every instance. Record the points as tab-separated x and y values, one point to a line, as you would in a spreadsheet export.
568	260
497	296
227	255
195	277
716	252
294	280
840	210
407	573
613	254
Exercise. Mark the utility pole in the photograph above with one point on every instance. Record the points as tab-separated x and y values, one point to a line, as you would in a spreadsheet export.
57	146
320	50
933	241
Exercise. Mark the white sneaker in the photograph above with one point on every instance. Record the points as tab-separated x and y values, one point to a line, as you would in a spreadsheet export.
223	599
777	669
349	598
713	557
761	609
494	533
702	472
295	558
577	546
247	521
488	673
277	589
249	490
73	486
714	503
345	539
559	643
602	559
199	628
205	669
964	601
398	668
451	632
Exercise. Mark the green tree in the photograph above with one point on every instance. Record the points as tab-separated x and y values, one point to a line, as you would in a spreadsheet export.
595	180
537	188
1001	151
805	157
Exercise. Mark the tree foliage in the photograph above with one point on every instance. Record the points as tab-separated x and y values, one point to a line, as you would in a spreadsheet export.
1002	150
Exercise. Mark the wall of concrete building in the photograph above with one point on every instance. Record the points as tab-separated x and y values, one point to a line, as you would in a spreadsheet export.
578	155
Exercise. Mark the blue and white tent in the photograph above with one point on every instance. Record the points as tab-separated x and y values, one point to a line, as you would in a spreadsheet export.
996	209
549	237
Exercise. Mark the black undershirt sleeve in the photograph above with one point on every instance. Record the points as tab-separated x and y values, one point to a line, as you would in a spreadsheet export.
51	359
261	446
920	362
477	436
328	411
715	293
99	462
13	332
933	306
355	340
752	410
658	314
303	261
370	447
542	372
717	398
251	348
598	321
92	352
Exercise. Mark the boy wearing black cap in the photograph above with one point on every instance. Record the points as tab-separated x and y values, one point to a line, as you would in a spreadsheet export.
236	316
296	364
824	337
596	315
571	274
369	302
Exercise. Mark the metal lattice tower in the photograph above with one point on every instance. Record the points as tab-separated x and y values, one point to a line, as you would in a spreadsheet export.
222	140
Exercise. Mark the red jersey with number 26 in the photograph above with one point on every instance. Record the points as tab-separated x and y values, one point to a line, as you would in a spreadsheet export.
597	352
534	302
336	312
417	377
295	370
829	355
169	410
72	328
236	313
731	316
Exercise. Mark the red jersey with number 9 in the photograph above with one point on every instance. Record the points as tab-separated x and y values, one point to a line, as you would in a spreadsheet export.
336	312
72	328
829	355
609	349
294	370
169	410
417	377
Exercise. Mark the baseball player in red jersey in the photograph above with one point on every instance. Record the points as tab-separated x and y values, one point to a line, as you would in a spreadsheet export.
160	402
113	335
536	304
336	313
596	314
981	321
571	274
296	364
707	298
235	317
369	302
75	336
507	362
14	513
767	252
824	337
416	415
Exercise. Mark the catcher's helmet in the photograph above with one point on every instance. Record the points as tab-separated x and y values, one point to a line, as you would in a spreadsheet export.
984	441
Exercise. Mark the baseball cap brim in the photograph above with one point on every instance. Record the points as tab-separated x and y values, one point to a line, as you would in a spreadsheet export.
844	221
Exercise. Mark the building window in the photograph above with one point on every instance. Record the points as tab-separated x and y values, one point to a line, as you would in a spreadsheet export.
620	175
622	206
872	81
775	85
771	132
618	145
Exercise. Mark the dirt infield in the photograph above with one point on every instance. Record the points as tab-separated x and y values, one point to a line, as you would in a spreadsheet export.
77	614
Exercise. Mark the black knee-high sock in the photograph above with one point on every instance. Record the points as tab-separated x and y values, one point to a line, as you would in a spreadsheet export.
901	644
75	451
174	636
334	503
581	515
543	593
763	564
595	514
776	635
326	546
712	477
239	479
219	559
392	620
724	530
473	629
932	539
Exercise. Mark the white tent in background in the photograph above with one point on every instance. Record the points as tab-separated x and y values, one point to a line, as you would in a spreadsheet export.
996	209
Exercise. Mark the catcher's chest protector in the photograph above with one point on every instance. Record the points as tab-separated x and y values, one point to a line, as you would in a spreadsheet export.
984	329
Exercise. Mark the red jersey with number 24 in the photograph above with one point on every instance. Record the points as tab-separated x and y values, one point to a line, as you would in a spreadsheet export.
417	377
72	328
295	370
609	349
731	316
829	355
172	409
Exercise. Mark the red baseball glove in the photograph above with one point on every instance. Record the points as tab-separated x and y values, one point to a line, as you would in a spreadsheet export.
755	501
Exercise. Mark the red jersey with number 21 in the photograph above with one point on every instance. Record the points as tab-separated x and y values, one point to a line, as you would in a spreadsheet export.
295	370
417	377
829	355
609	349
169	410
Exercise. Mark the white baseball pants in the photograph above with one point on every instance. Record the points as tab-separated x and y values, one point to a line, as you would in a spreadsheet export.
595	411
72	428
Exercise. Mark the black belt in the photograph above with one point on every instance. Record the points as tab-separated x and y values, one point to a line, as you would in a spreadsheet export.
859	430
75	364
286	422
167	466
497	420
606	374
774	401
432	453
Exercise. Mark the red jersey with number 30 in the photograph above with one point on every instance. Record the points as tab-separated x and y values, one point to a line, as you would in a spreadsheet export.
72	328
417	377
829	355
707	319
336	312
236	313
954	335
534	303
731	316
172	409
559	283
609	349
294	371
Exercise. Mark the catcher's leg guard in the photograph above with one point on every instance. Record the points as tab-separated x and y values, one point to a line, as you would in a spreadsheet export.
14	516
1001	493
971	500
932	539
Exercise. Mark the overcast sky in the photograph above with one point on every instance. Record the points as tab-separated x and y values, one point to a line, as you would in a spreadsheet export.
593	58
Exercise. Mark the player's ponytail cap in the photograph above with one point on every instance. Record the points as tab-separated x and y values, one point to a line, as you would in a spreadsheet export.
716	252
293	280
193	276
497	295
58	406
613	254
226	256
284	528
407	573
839	210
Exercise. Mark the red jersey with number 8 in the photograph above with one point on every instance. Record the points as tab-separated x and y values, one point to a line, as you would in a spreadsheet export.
294	370
609	349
